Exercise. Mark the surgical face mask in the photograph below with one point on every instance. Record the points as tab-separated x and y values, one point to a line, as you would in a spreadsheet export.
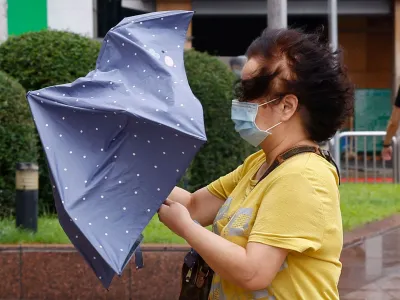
244	116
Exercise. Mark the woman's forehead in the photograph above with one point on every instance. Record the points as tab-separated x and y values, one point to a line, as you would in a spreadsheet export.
250	69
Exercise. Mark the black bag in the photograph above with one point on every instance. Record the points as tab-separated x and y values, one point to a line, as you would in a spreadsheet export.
196	274
196	277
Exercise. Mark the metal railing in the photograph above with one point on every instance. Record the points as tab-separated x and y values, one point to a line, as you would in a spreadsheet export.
359	160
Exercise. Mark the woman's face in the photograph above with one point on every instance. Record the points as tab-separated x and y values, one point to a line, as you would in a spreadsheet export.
269	114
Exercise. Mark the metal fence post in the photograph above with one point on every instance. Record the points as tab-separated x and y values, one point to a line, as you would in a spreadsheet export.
336	147
352	172
26	196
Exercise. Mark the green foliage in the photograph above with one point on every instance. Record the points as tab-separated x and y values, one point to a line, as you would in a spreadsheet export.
50	232
18	140
42	59
46	58
212	83
363	203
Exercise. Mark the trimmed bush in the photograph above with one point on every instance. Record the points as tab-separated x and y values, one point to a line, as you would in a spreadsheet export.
212	83
18	139
47	58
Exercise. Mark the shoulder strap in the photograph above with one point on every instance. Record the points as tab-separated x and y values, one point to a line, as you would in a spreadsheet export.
298	150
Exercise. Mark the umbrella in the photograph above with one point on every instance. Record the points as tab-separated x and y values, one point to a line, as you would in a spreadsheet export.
118	140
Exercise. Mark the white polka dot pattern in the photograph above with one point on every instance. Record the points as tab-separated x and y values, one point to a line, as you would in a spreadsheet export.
118	140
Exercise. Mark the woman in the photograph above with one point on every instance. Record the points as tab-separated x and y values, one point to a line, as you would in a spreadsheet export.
281	237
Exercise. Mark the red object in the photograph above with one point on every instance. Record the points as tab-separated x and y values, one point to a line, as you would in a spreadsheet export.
368	180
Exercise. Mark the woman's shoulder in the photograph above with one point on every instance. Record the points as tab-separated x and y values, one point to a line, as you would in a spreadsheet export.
313	167
254	159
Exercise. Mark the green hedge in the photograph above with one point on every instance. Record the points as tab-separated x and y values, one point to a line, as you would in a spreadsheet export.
18	139
47	58
212	83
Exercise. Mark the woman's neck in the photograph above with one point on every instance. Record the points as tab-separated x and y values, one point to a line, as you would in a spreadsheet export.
272	151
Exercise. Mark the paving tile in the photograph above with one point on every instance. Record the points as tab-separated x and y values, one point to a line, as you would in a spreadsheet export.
394	294
65	275
371	267
371	287
368	295
9	275
160	279
391	283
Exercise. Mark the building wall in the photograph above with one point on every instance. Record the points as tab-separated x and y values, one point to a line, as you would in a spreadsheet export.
396	34
294	7
368	43
34	15
71	15
3	20
26	15
368	40
162	5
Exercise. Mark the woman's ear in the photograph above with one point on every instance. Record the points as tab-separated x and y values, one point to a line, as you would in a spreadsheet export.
289	106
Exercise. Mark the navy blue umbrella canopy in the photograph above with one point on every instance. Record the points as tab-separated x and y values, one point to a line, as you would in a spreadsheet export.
118	140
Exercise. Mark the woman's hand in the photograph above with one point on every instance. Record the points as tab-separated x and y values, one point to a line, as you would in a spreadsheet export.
175	216
252	268
202	205
387	153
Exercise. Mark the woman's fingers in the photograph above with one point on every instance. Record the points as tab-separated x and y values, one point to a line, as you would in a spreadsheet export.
168	202
162	207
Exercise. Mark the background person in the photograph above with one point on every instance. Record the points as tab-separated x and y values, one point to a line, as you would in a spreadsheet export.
391	130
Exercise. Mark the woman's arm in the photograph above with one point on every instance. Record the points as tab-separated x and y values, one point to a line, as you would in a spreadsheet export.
392	126
289	218
202	205
251	268
394	120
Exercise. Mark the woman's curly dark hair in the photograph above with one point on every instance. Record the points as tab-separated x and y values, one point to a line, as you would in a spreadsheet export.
298	63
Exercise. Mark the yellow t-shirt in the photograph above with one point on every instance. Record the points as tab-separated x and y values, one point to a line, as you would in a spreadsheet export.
296	207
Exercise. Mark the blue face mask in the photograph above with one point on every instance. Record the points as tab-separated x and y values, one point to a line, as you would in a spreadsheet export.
244	116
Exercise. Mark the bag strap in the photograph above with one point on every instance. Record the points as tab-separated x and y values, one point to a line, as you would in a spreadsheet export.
299	150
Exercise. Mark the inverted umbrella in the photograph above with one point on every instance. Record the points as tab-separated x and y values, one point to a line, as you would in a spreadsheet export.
118	140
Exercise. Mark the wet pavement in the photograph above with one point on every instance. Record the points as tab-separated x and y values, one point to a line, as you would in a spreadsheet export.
371	270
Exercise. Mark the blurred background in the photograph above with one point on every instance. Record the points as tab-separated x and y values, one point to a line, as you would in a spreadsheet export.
49	42
368	30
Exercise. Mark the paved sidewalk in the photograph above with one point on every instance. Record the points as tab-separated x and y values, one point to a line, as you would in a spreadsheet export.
371	271
387	288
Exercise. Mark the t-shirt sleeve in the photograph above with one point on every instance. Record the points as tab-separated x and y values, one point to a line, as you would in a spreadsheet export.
223	186
397	100
290	215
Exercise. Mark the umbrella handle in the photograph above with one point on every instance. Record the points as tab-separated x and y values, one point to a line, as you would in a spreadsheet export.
139	258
